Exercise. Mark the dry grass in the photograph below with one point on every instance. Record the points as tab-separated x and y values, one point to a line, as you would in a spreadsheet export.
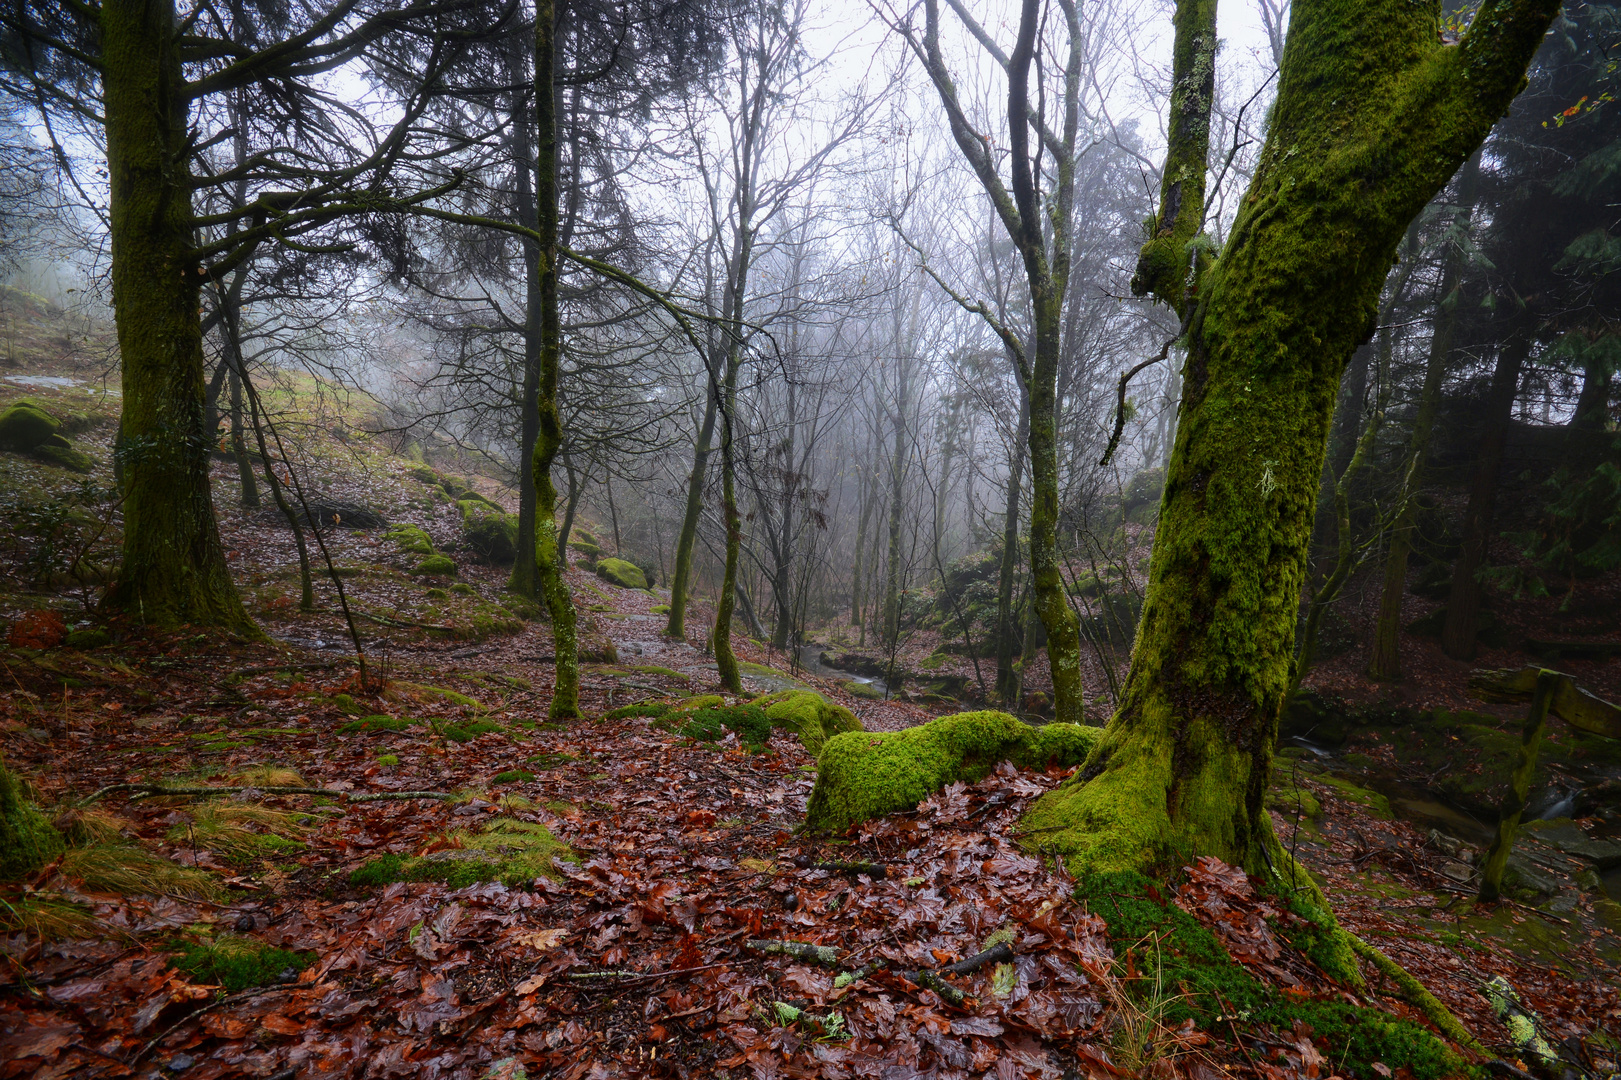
48	919
240	830
129	870
267	776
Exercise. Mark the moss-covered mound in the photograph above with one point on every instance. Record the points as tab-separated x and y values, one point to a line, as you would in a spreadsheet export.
809	715
410	539
437	565
25	426
27	840
514	853
710	724
489	531
862	775
1168	948
627	575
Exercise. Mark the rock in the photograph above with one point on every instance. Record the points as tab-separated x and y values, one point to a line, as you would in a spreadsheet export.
1564	903
1566	836
1522	873
1457	871
1572	650
436	564
1589	881
627	575
25	426
411	539
65	456
493	534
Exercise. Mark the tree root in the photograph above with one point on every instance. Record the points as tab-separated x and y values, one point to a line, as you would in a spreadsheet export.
157	791
1416	995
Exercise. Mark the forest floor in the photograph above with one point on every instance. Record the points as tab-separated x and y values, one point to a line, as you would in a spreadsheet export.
640	862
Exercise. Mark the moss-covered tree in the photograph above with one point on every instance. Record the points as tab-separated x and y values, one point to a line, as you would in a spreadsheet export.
1375	111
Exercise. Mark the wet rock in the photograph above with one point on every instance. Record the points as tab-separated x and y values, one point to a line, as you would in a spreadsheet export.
1565	836
1564	903
1523	874
1457	871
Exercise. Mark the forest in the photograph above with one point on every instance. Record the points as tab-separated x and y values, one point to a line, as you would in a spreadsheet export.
810	538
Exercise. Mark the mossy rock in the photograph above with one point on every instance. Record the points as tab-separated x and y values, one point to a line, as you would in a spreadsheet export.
654	709
809	715
438	693
440	565
659	609
25	426
862	775
514	853
621	572
411	539
490	532
750	722
462	588
65	456
27	840
93	637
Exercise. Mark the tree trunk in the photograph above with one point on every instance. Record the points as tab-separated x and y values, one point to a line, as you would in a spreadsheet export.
239	448
1373	115
1463	602
681	579
1384	662
867	497
1007	679
1593	406
721	637
551	560
524	581
897	480
173	568
781	577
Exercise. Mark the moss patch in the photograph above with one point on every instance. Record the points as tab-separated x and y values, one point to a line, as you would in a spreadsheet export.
862	775
468	731
750	722
627	575
512	776
514	853
375	723
809	715
1169	946
27	840
410	539
441	565
239	963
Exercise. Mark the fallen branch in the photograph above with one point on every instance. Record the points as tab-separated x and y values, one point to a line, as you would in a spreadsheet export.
947	992
799	950
156	791
270	669
1416	994
1000	953
871	869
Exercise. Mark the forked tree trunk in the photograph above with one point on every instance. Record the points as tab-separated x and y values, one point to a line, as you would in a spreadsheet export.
1373	115
681	578
550	558
174	568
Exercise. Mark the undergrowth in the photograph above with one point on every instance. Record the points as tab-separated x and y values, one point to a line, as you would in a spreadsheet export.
1212	989
239	963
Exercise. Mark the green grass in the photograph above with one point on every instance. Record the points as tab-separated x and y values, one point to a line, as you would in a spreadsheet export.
514	853
468	731
513	776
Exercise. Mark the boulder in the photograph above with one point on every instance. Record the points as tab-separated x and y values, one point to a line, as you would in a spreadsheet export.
25	426
627	575
489	531
436	564
65	456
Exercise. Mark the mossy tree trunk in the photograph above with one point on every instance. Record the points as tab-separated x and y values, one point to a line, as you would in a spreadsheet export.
681	578
1007	679
1384	661
1374	113
173	568
721	638
550	559
897	492
1464	601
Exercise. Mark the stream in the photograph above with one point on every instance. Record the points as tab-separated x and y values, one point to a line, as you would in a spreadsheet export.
810	660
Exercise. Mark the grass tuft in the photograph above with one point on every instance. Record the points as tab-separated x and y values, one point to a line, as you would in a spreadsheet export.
118	866
240	830
268	776
239	963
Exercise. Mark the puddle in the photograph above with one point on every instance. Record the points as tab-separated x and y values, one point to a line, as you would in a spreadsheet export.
57	381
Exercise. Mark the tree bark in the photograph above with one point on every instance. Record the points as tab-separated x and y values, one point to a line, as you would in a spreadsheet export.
551	560
1007	678
897	482
1463	602
173	569
1373	115
1384	662
681	579
524	580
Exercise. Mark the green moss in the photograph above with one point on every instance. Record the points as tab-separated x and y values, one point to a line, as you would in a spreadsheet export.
1377	803
436	593
652	669
25	426
388	759
27	840
410	539
1169	945
468	731
627	575
441	565
513	776
654	709
813	718
375	723
659	609
750	722
489	531
862	775
514	853
90	638
346	704
238	963
439	693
